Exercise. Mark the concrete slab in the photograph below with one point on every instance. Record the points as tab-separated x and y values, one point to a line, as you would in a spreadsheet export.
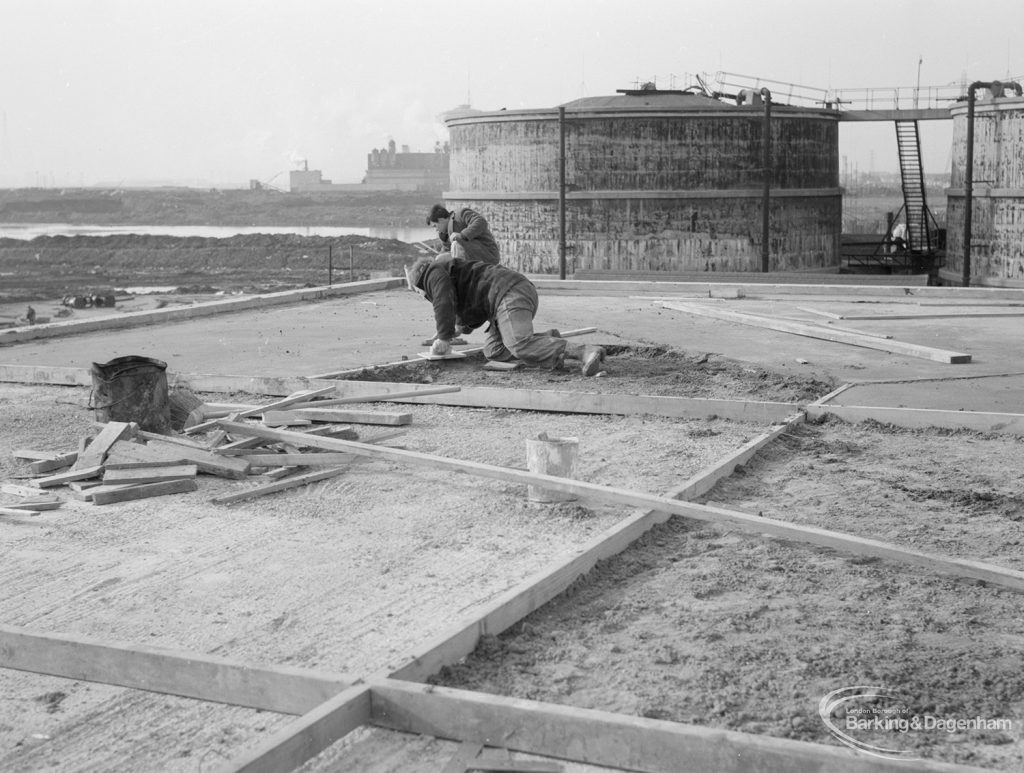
387	326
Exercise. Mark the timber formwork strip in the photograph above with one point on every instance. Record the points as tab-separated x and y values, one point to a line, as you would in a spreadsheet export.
997	575
831	395
309	735
174	314
830	276
613	740
816	331
512	606
929	315
596	403
923	418
611	287
332	705
282	689
471	397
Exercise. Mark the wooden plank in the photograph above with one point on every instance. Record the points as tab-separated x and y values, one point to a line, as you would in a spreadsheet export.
929	315
141	464
194	311
179	440
284	419
1001	576
559	401
17	512
31	455
905	290
36	505
36	374
491	765
85	495
819	312
539	400
281	485
149	474
815	331
66	477
60	462
237	447
143	491
295	744
923	418
126	454
818	325
325	459
375	398
96	451
340	416
302	396
284	689
23	491
616	741
207	461
831	395
83	485
519	601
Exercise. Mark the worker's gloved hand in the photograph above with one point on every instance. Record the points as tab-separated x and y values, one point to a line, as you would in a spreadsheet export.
440	347
458	237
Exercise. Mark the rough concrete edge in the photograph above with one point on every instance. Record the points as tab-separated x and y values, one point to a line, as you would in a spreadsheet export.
158	316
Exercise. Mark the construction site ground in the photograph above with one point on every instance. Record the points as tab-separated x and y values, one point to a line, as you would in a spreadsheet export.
694	623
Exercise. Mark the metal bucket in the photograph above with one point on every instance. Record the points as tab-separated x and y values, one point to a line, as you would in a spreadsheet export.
132	389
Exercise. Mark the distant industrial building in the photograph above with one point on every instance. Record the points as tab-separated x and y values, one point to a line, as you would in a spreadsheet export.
386	170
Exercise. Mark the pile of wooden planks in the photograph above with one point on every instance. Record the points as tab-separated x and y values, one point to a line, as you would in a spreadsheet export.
123	463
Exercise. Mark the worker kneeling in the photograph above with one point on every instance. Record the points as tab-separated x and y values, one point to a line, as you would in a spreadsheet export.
469	293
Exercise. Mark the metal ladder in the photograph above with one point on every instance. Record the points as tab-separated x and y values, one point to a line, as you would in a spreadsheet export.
915	205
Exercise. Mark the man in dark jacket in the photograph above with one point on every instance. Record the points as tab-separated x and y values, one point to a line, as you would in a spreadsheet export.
479	293
464	234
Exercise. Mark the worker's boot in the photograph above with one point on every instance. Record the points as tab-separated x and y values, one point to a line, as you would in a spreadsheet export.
589	356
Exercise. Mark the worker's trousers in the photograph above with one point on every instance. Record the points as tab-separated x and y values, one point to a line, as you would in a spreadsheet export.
511	335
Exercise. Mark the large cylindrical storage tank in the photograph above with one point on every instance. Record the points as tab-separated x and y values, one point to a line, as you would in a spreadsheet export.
655	181
997	211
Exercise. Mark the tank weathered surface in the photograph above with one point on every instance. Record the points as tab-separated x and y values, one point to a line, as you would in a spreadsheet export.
997	211
660	181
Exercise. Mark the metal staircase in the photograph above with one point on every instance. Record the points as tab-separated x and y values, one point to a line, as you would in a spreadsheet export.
919	218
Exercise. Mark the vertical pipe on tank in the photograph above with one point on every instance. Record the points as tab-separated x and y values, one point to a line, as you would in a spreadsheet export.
766	159
561	192
969	180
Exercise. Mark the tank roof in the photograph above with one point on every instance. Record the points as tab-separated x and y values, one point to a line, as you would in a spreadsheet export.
664	99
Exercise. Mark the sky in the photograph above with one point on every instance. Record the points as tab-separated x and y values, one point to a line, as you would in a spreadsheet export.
213	93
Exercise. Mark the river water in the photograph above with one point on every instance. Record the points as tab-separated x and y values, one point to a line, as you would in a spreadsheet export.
29	231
